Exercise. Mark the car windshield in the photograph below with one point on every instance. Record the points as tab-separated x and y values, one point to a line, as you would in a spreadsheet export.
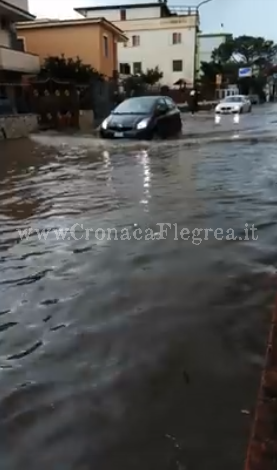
233	99
142	105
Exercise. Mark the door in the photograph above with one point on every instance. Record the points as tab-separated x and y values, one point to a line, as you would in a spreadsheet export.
174	117
163	119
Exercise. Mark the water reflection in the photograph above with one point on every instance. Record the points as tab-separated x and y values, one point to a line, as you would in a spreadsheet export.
132	354
143	158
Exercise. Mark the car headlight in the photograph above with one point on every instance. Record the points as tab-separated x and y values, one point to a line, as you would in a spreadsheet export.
143	124
104	124
236	108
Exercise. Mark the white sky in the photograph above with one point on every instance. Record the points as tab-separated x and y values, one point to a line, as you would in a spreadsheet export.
254	17
53	8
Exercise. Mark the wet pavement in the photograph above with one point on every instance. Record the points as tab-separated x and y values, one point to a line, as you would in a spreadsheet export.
127	354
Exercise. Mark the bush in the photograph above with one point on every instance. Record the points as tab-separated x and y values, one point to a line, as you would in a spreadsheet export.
68	70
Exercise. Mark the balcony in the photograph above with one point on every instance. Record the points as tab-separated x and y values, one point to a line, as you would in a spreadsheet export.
14	10
17	61
183	10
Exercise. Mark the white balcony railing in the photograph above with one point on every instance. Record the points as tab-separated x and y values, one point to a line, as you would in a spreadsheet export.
17	61
183	10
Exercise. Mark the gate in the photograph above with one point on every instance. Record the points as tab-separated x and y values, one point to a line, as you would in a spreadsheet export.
56	103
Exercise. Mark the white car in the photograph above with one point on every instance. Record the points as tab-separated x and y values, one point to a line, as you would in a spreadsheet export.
235	104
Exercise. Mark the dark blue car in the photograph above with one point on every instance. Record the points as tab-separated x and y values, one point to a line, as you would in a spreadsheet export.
145	117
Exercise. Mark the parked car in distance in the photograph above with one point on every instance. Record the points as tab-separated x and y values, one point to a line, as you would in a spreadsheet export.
235	104
144	117
255	99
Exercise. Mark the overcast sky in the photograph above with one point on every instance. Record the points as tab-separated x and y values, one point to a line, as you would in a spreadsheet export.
255	17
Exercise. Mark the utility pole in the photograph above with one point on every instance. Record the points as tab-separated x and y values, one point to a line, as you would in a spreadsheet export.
196	64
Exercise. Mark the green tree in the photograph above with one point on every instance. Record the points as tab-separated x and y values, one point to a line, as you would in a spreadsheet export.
255	52
246	50
136	85
68	70
152	76
210	70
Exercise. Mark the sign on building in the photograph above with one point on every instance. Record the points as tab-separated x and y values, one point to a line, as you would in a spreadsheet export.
245	72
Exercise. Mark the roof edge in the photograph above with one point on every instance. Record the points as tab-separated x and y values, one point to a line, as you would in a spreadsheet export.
163	6
18	10
40	24
212	35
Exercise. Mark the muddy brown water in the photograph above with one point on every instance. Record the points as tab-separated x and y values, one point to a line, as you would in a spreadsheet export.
127	354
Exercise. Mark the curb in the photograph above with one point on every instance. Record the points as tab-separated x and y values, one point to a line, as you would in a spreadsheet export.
262	449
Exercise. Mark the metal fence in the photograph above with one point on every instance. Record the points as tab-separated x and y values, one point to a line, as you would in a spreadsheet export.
52	100
14	99
58	103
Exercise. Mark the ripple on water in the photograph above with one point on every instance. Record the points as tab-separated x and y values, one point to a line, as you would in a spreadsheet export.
132	354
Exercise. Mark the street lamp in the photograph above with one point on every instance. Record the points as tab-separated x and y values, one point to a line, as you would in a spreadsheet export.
196	64
203	3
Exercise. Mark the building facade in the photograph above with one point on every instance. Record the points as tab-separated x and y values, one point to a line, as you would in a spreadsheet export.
13	60
157	36
206	45
93	40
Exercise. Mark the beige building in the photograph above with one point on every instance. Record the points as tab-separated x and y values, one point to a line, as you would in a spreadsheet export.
14	62
158	35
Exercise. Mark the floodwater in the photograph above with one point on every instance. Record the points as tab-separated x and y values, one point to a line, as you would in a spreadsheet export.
133	354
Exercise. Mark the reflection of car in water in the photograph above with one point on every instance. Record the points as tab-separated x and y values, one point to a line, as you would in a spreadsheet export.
234	104
145	117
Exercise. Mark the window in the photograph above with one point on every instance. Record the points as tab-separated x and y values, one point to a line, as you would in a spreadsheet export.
176	38
21	45
106	46
135	41
125	69
122	15
161	102
137	68
177	65
170	103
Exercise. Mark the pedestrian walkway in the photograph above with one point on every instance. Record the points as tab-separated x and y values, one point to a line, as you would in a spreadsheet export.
262	450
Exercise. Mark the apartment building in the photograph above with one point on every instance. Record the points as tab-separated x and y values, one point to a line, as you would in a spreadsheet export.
157	36
206	45
14	62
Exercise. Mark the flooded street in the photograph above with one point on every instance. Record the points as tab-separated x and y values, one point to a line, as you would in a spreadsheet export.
134	354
